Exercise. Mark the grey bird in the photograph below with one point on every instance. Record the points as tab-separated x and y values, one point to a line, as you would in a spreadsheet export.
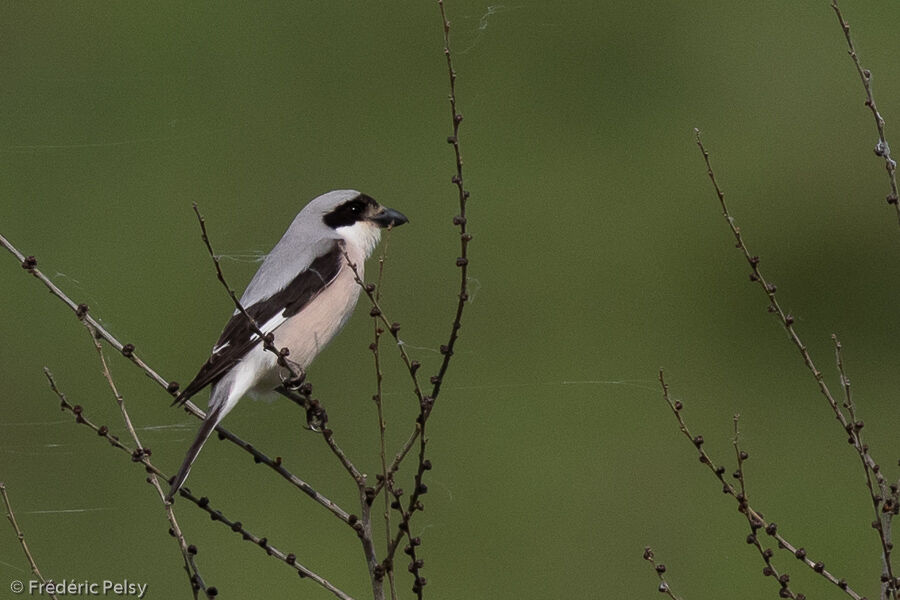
303	293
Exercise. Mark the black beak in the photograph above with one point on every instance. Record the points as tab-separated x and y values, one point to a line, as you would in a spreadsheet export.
388	217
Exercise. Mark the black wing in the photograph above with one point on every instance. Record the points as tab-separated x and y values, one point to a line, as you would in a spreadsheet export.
238	337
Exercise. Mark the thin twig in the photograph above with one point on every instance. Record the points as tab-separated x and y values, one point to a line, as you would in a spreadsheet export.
21	537
850	426
355	473
201	502
190	565
882	148
426	403
120	401
885	498
29	263
277	465
101	430
461	219
317	418
740	456
413	505
378	398
754	519
402	453
363	529
376	312
412	366
138	454
289	559
660	569
845	381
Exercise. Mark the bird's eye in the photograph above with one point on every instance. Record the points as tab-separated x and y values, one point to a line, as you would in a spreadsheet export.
347	214
354	207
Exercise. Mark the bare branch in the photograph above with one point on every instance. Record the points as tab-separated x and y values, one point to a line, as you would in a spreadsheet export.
885	498
29	263
393	327
317	417
289	559
138	454
21	537
882	148
460	219
660	569
885	505
754	518
375	346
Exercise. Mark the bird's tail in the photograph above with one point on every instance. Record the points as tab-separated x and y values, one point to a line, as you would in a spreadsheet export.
213	417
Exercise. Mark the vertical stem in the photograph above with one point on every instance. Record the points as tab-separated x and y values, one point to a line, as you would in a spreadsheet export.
459	220
21	536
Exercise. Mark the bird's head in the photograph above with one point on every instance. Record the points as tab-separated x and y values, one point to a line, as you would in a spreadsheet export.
356	217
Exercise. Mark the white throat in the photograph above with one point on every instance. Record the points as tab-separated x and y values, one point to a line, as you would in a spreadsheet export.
363	235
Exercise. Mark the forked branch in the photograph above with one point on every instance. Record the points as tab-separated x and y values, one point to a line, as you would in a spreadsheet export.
884	495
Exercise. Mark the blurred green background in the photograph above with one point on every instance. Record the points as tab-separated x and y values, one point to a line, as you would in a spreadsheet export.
599	256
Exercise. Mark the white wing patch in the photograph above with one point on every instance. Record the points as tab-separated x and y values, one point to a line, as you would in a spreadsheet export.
267	327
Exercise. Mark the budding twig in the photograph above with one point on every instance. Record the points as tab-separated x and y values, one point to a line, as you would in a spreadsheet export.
461	219
138	454
882	148
754	518
660	569
29	263
289	559
885	499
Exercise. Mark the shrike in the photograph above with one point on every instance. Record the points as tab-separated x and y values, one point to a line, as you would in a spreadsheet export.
303	293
